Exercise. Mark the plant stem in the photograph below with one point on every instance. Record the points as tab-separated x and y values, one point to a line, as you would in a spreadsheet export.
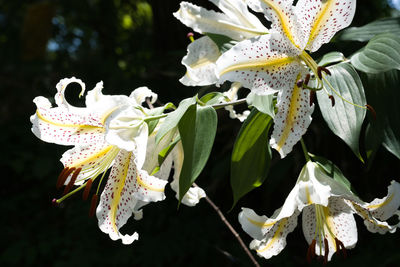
233	103
305	151
230	227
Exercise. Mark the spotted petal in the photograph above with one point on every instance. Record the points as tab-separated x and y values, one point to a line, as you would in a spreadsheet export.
116	202
292	119
200	63
322	19
208	21
283	17
338	221
264	64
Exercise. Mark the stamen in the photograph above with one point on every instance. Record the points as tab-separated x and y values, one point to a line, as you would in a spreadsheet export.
332	100
311	251
372	110
87	189
340	247
319	72
326	246
72	181
299	83
190	36
307	80
312	97
93	205
63	176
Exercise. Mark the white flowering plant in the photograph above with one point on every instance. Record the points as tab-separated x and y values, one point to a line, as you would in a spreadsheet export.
263	49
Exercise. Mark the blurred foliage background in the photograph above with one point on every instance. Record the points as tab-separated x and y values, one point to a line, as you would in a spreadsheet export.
128	44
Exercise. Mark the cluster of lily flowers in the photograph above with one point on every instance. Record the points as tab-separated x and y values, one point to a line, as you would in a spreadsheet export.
113	131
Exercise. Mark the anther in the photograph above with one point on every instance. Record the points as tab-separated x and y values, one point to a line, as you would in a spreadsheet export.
93	205
322	69
372	110
63	176
340	248
312	98
72	181
311	251
332	100
326	246
307	80
299	83
190	36
87	189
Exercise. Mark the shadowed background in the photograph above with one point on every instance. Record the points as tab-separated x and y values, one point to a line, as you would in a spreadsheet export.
128	44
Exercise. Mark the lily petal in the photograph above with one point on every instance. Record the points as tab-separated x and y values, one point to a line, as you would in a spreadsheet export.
386	207
61	86
322	19
339	223
208	21
264	64
141	93
292	119
200	62
283	17
146	187
116	202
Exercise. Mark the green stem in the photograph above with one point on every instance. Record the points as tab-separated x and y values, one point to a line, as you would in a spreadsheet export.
305	151
232	103
153	118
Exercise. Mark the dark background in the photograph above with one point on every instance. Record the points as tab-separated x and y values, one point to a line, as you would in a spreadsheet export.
128	44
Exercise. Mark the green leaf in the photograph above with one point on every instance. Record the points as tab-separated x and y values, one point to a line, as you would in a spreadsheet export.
155	112
197	129
212	98
368	31
330	58
223	42
332	170
383	94
263	103
173	118
381	54
345	120
251	156
165	152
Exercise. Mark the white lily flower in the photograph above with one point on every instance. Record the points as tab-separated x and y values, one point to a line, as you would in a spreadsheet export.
235	22
231	95
275	62
108	132
328	221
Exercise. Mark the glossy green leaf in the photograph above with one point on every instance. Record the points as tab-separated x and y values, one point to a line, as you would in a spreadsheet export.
197	129
381	54
368	31
223	42
330	58
155	112
344	119
212	98
332	170
263	103
383	94
173	118
165	152
251	156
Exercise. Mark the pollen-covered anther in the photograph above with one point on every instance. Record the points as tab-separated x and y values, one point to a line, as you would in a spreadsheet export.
63	176
307	79
300	83
340	248
93	205
190	36
72	181
311	251
326	246
87	189
332	100
372	110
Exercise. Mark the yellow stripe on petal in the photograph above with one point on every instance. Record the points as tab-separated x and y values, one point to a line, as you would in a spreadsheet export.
117	196
387	201
82	126
321	16
149	187
93	157
276	236
260	64
261	224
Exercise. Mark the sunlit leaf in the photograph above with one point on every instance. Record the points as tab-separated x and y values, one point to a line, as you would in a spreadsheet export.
368	31
223	42
381	54
212	98
197	129
251	156
155	112
263	103
330	58
344	119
